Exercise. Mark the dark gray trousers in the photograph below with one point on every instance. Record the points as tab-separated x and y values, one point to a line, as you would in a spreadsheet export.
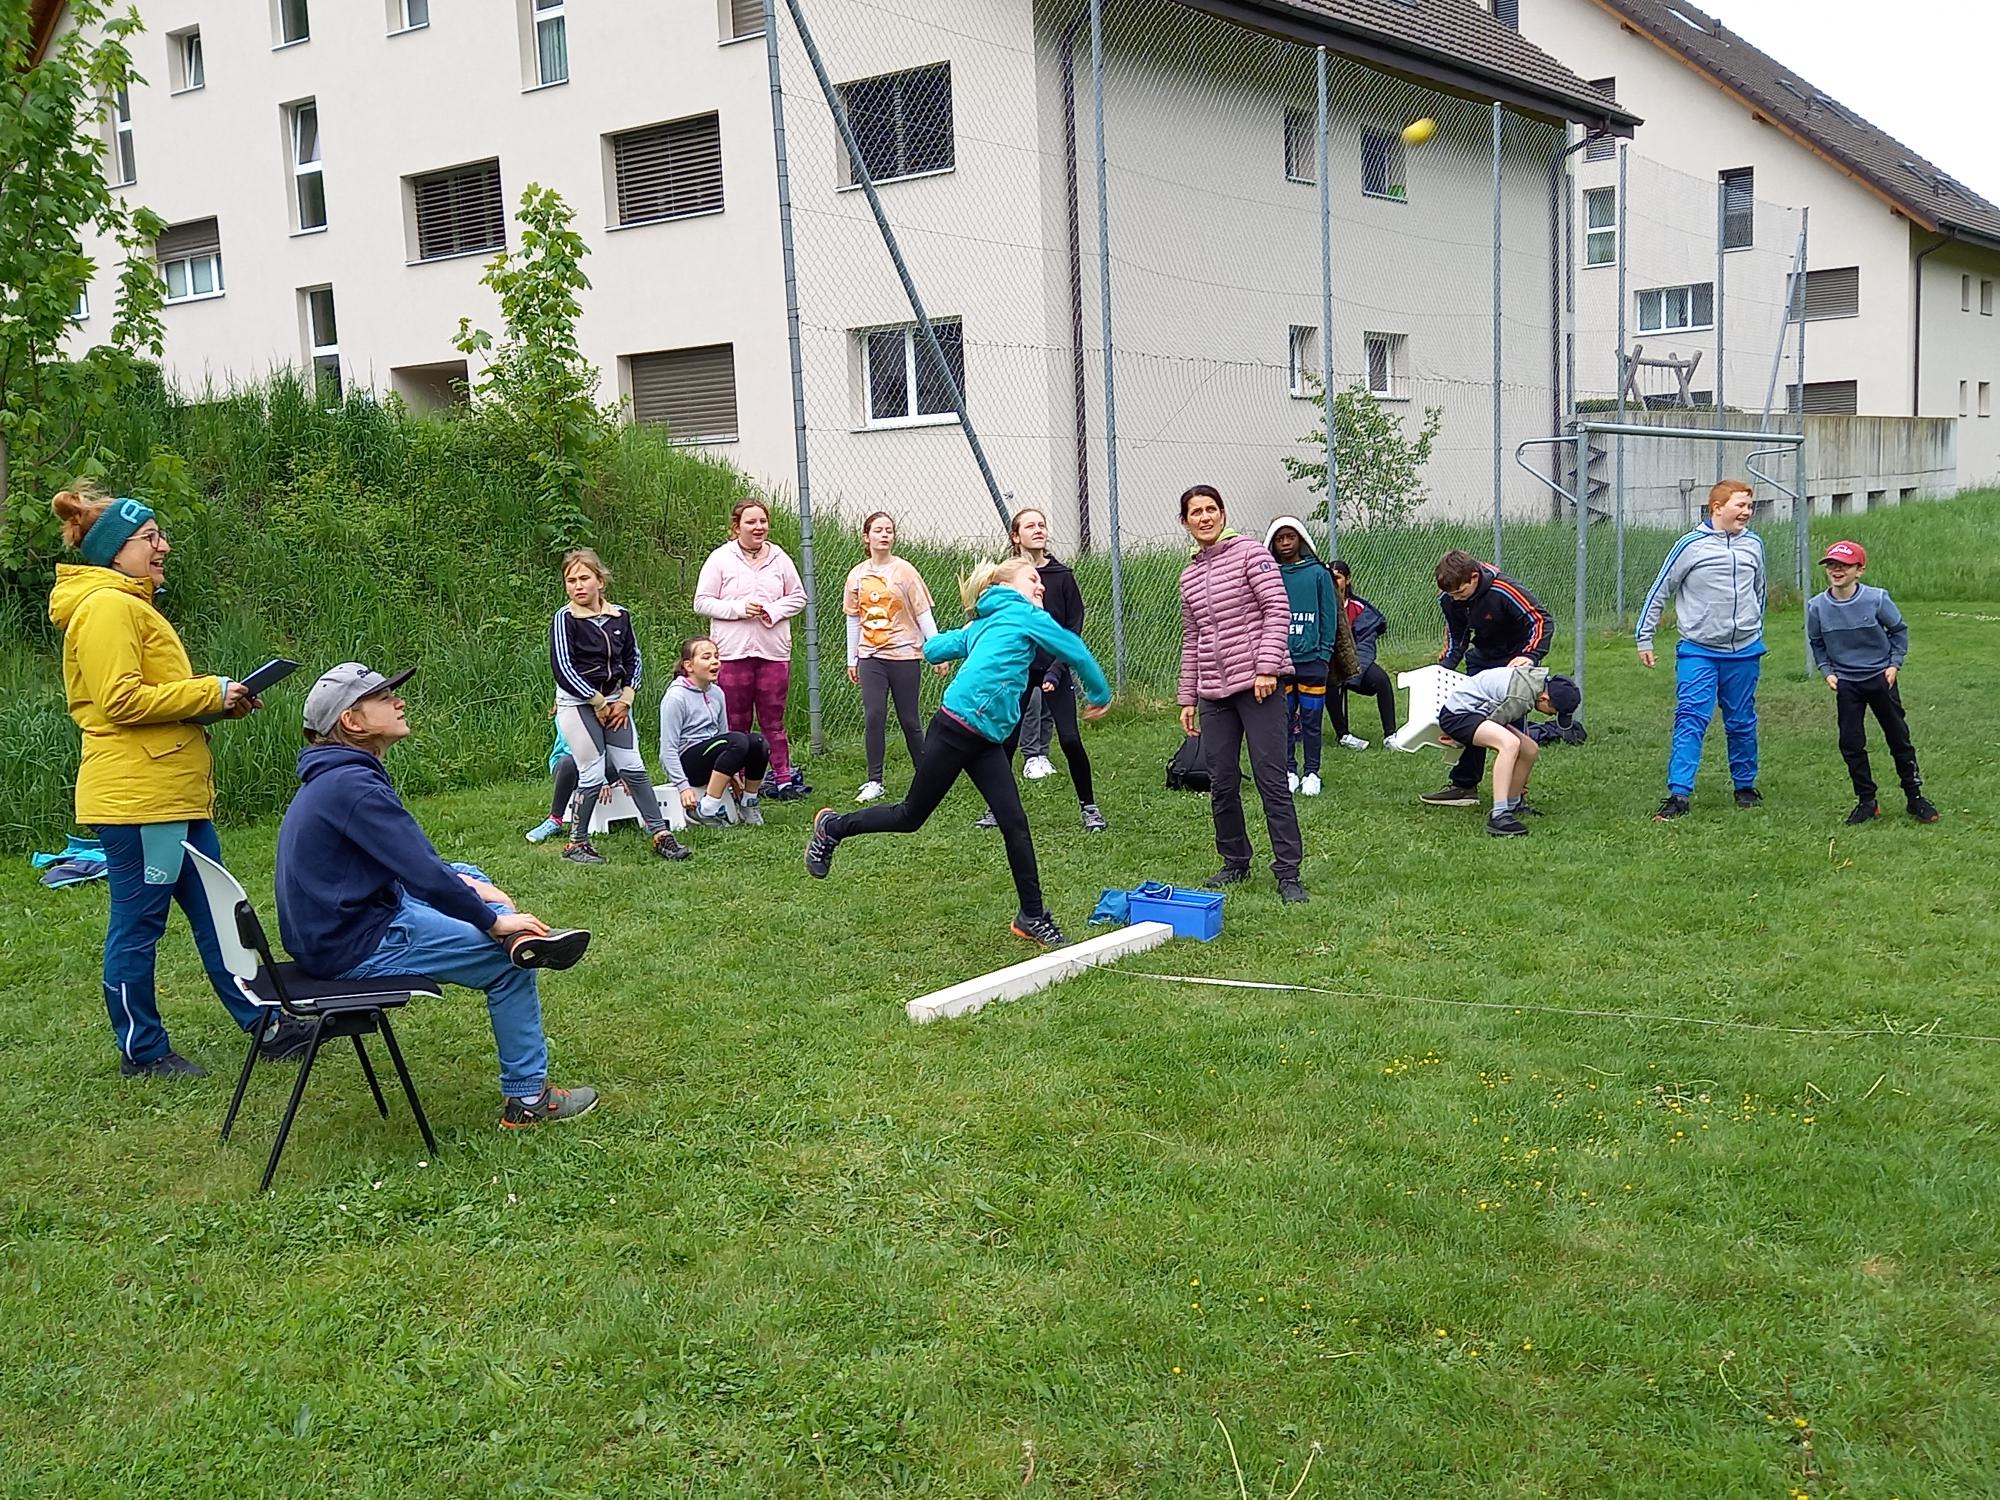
1227	724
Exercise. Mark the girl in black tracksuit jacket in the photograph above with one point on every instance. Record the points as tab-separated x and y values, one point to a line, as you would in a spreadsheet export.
1369	625
1048	677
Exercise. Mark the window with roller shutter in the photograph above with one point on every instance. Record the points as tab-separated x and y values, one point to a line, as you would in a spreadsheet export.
1739	209
1829	397
690	392
1832	293
459	212
746	18
190	257
668	171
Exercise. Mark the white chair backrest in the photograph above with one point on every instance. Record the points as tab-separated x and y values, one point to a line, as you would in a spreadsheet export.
223	893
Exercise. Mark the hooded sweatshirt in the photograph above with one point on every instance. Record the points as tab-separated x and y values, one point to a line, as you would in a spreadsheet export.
347	851
689	716
998	646
1718	587
130	689
1314	600
1235	620
729	581
1503	694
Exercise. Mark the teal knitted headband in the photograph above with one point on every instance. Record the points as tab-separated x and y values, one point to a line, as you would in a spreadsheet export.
113	530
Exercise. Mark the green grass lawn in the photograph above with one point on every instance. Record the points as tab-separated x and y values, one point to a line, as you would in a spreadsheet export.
805	1248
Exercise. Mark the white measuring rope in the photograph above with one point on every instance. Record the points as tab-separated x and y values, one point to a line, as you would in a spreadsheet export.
1926	1031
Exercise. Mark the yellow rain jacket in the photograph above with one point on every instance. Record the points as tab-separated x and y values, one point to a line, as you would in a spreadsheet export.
130	689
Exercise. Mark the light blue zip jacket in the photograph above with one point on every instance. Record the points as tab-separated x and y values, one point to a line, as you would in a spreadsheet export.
998	647
1718	586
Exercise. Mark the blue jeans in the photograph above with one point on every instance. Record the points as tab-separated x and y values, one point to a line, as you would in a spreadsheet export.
423	940
138	919
1701	683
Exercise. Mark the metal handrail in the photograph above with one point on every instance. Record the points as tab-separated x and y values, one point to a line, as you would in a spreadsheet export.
1750	467
1547	442
1710	434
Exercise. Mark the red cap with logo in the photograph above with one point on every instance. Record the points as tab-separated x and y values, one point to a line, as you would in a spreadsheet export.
1851	553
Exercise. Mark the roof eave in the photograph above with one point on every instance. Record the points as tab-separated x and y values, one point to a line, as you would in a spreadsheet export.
1419	65
1970	236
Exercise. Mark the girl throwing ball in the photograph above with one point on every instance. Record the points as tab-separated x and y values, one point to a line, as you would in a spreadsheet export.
969	734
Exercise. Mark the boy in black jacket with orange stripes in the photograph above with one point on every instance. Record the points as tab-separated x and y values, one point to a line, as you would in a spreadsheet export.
1489	621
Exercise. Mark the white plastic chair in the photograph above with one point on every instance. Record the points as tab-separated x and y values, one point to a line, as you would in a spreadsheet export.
1427	688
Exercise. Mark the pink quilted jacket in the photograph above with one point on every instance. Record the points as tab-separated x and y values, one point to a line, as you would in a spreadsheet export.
1235	620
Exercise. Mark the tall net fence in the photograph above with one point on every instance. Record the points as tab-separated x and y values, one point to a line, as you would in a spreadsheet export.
1471	311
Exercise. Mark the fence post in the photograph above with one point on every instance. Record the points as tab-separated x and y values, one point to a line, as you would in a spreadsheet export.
800	448
1801	543
1721	308
1794	289
1581	500
1499	126
1110	385
1624	379
1325	172
865	178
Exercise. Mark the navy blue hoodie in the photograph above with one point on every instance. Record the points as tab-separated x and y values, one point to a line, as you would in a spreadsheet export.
347	851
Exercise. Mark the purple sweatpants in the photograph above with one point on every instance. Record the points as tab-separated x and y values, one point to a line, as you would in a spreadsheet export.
755	688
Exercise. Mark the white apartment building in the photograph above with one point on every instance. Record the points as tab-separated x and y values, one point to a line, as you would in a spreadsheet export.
1902	290
336	176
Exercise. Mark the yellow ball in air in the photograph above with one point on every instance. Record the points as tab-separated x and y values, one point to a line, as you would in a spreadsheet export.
1418	131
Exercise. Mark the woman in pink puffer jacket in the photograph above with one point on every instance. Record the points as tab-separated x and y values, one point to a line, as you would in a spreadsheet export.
1236	620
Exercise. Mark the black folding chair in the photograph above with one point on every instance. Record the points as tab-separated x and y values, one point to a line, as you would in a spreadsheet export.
333	1008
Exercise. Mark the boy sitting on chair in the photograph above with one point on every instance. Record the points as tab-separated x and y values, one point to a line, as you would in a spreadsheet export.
362	893
1486	710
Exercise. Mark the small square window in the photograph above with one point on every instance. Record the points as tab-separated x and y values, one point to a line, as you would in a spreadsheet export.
903	122
294	22
1302	359
902	380
1382	174
186	70
1600	232
741	19
1385	354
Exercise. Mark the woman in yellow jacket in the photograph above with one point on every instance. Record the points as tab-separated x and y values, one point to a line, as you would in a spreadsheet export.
146	782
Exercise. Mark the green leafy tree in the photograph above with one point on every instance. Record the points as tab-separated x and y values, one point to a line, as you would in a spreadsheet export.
56	405
1380	466
537	384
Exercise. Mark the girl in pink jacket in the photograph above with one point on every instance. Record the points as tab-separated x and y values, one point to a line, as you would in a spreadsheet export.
1236	620
749	591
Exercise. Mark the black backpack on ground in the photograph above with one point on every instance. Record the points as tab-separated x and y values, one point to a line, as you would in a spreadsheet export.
1188	771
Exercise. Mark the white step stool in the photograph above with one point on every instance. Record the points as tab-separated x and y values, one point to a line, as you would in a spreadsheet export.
1428	687
619	808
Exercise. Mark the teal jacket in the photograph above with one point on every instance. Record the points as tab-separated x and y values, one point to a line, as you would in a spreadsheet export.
998	647
1309	587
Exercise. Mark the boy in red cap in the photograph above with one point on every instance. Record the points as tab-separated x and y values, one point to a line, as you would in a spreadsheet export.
1859	640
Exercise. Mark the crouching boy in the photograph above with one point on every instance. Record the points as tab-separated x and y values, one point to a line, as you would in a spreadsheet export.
1486	710
362	894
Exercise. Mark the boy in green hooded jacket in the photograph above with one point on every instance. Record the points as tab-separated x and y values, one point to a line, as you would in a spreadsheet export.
1315	627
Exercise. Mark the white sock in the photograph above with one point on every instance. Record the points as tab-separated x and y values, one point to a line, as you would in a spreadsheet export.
751	799
710	805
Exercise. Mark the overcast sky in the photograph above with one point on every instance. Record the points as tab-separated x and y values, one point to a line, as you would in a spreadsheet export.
1923	70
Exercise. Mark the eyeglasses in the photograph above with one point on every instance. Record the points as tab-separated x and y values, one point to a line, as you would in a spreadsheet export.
153	538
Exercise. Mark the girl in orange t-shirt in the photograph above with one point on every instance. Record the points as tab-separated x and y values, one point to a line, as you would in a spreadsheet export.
888	621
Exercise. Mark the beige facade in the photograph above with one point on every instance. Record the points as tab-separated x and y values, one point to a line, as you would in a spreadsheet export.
1215	244
1697	128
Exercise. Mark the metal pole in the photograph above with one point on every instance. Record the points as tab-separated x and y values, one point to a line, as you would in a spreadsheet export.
1110	384
1326	310
866	180
1499	127
1721	306
1794	290
1801	545
800	449
1624	374
1569	286
1801	524
1581	501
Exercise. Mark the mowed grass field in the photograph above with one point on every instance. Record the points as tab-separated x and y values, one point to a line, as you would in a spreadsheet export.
1416	1225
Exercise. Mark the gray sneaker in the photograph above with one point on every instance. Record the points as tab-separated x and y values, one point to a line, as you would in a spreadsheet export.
549	1107
1093	820
987	820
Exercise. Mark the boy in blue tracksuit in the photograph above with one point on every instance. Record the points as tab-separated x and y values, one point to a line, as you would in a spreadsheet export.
1715	576
1315	623
970	732
1859	639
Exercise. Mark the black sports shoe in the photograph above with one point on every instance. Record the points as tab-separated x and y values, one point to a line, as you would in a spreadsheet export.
1227	875
1526	809
1504	825
820	847
668	847
166	1065
1673	807
1864	812
1749	796
1291	892
1919	807
284	1038
559	950
1451	795
1041	930
579	852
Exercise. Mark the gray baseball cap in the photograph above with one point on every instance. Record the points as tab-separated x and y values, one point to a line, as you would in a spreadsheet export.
346	685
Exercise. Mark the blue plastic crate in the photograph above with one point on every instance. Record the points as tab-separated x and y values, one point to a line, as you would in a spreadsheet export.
1195	914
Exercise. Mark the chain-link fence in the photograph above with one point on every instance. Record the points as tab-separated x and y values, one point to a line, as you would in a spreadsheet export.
1235	218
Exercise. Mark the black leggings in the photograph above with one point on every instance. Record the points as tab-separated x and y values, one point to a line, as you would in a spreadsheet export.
728	753
1372	680
949	748
565	792
879	678
1061	707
